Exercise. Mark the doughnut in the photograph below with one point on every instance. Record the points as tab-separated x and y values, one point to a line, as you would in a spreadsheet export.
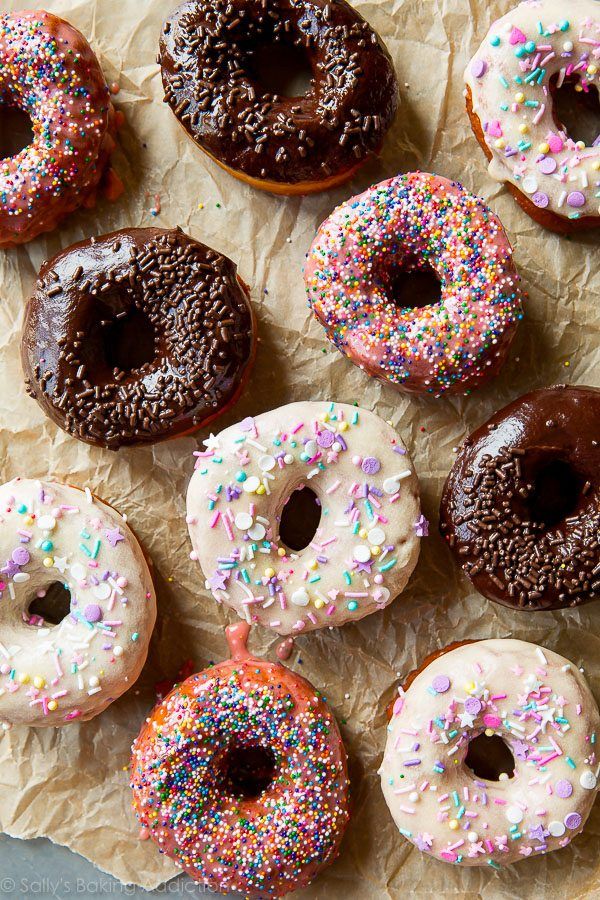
240	776
521	507
408	227
458	796
137	336
69	667
512	86
211	55
366	530
49	71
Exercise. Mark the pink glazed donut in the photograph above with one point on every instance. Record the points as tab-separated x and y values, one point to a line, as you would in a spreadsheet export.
49	71
416	223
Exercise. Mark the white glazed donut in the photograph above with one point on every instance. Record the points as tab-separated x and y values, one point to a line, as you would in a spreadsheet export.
367	542
542	708
52	675
525	57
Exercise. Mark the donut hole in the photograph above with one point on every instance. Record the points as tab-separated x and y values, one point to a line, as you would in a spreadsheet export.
282	69
576	111
489	757
248	770
556	492
16	131
51	605
412	288
124	340
300	519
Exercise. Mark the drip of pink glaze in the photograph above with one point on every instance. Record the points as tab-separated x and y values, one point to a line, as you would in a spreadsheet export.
237	638
144	834
284	649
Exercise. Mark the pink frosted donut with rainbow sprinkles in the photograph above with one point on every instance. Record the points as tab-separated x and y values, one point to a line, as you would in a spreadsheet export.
49	71
423	224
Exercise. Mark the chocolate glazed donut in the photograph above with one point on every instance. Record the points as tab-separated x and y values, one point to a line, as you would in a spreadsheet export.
209	54
138	336
521	506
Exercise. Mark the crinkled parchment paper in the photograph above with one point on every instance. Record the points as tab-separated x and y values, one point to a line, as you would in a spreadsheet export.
71	784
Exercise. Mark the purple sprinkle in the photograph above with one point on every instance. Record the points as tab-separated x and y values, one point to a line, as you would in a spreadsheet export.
563	788
573	821
440	684
472	706
341	442
92	612
247	424
417	762
370	465
478	68
540	199
399	450
325	439
576	199
547	165
20	556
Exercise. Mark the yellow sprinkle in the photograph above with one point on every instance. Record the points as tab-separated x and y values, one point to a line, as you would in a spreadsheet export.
376	550
596	165
313	564
343	426
567	364
319	604
592	69
578	88
269	572
261	489
580	145
28	520
470	686
500	143
201	206
48	562
489	732
519	97
544	148
453	824
24	678
523	128
281	552
39	682
52	705
362	533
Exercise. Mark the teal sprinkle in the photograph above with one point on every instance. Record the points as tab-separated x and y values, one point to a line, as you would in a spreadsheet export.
542	75
96	549
74	669
456	798
85	535
460	812
204	471
314	579
245	576
520	52
389	565
355	528
574	215
347	578
504	107
592	737
561	720
570	762
12	674
453	733
240	440
331	407
532	104
518	79
86	550
369	509
495	40
530	46
21	508
438	769
433	693
516	836
219	489
353	606
135	636
254	547
405	832
47	546
211	504
532	75
355	418
540	27
439	722
503	81
217	459
493	864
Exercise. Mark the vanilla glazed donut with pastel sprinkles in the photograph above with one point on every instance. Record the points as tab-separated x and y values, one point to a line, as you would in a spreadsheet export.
49	71
240	776
368	520
512	86
449	789
416	225
71	670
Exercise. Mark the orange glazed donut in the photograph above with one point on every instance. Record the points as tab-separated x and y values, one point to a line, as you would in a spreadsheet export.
49	71
240	776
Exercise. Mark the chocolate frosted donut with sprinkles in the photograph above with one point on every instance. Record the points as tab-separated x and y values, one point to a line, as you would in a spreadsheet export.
366	265
49	72
137	336
532	97
239	775
232	69
521	507
491	754
77	605
305	517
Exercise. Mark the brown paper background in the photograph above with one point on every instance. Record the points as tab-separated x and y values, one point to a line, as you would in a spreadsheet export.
69	784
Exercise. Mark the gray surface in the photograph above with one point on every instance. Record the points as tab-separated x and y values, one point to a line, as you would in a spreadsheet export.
38	868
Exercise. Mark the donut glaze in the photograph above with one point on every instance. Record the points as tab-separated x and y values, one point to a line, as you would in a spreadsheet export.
189	793
209	58
540	705
71	671
48	70
416	223
511	87
367	541
84	324
521	507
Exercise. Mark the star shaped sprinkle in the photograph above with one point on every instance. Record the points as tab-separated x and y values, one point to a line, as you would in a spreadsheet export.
114	536
212	443
532	684
60	563
466	720
218	582
520	749
422	527
10	568
424	841
537	833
